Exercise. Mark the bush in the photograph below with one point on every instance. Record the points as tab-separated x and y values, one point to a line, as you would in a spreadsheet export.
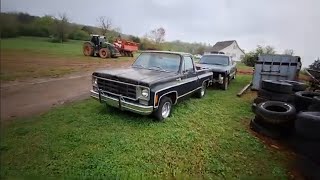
9	32
250	59
79	35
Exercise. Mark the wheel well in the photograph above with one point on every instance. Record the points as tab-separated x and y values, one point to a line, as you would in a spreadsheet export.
171	95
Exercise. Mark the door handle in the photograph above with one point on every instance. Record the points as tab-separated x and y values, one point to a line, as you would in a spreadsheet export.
178	79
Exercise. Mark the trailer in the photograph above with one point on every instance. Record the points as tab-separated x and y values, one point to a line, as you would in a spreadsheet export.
126	48
275	67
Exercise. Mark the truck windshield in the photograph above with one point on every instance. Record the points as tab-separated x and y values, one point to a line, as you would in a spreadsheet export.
215	60
158	61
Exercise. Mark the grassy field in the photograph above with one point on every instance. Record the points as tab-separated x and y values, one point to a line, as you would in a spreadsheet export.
204	138
43	46
34	57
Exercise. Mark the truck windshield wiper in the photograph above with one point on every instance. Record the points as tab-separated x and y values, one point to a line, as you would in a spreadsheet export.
160	68
139	65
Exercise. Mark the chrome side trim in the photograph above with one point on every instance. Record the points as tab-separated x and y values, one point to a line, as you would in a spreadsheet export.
189	92
154	103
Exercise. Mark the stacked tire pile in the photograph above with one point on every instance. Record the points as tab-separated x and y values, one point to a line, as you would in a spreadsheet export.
280	106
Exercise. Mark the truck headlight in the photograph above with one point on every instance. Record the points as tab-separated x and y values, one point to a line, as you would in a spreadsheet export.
145	93
94	81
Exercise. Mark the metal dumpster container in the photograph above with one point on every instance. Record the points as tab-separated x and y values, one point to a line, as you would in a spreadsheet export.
275	67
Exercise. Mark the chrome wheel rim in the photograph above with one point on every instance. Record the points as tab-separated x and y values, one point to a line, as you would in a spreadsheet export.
202	90
166	108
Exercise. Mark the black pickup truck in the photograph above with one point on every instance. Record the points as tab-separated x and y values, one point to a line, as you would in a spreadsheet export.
154	82
222	67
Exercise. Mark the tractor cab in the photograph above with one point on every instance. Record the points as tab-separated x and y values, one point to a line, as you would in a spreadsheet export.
98	40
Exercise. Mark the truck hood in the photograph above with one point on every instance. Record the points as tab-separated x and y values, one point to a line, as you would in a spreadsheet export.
215	68
138	76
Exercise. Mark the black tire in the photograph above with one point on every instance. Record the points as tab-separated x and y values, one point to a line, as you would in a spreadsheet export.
277	86
274	96
303	99
315	106
296	85
259	100
253	107
158	113
202	91
276	112
258	127
308	125
225	84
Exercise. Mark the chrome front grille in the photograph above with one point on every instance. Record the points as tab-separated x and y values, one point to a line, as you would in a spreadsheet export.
117	88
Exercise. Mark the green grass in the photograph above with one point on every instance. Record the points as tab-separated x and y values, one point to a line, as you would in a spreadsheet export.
204	138
243	67
43	46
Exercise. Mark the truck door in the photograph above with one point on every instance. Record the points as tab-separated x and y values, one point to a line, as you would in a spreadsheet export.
189	80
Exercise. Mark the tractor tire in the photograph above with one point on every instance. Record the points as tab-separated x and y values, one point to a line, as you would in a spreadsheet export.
277	86
274	96
88	49
104	53
296	85
276	112
308	124
315	106
303	99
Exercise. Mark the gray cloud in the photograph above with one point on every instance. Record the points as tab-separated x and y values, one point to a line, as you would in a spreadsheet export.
283	24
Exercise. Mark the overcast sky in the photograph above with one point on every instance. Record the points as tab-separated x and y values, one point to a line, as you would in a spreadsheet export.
283	24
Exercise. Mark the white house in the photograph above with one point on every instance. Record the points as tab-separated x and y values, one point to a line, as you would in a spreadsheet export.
230	48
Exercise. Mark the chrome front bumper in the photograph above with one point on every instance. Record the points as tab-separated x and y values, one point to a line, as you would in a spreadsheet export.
122	104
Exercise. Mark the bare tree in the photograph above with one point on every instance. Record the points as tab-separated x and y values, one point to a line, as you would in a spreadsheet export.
105	24
158	35
289	52
62	27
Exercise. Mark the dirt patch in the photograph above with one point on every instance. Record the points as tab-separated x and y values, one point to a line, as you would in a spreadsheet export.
40	82
245	71
18	66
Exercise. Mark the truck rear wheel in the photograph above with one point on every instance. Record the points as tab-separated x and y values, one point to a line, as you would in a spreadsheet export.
88	49
104	53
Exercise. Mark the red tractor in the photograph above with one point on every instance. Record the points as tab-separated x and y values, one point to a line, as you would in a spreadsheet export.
126	48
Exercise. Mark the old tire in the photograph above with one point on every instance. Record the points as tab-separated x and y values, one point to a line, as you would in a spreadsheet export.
104	53
303	99
296	85
276	112
225	84
277	86
88	49
308	125
315	106
259	100
257	126
202	91
164	109
274	96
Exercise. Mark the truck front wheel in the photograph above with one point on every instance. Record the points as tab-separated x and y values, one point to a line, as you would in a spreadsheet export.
164	109
225	83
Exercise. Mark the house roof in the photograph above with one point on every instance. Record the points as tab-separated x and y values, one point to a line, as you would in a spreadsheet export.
220	45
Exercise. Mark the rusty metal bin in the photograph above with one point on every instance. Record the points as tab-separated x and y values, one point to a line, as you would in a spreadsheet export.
275	67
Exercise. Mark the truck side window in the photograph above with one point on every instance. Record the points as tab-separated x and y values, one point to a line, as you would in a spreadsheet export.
188	64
